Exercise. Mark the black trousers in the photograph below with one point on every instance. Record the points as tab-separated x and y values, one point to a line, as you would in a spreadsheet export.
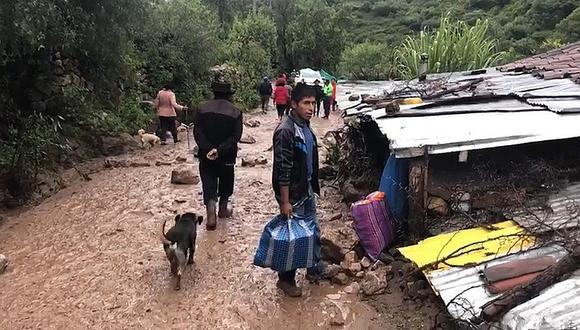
265	99
167	124
217	179
327	104
318	103
281	108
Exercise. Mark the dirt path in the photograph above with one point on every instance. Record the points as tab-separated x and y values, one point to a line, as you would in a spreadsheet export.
90	256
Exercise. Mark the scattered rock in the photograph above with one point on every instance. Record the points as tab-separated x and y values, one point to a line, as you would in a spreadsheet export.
181	159
355	268
180	200
353	288
360	274
3	263
330	251
416	289
335	217
364	97
327	173
223	240
252	123
354	97
378	264
438	206
139	164
373	283
248	139
163	163
347	93
114	163
338	313
365	262
350	258
332	270
334	296
184	175
253	162
388	258
340	279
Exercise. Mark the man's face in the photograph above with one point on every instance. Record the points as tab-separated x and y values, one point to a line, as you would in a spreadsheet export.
305	108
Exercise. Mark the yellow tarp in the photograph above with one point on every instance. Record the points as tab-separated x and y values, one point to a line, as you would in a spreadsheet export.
470	246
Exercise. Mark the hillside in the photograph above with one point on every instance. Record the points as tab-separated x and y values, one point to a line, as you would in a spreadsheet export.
522	26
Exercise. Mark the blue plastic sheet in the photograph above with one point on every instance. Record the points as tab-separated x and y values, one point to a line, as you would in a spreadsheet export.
395	183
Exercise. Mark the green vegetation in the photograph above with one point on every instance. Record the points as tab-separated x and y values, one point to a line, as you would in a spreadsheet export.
72	71
454	46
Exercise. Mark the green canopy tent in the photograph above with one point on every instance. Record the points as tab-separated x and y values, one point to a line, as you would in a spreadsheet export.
326	75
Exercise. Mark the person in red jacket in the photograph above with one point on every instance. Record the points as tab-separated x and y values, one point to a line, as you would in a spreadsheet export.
281	97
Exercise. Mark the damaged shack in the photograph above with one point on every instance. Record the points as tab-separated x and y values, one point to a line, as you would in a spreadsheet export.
486	164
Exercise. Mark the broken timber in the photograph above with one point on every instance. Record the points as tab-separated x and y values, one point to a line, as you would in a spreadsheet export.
418	193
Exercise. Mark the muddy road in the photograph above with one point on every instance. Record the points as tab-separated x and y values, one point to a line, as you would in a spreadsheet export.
90	256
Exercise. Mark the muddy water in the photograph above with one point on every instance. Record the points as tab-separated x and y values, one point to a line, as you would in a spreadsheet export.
90	257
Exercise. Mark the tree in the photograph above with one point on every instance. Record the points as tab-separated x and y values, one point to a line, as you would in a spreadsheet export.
259	28
367	61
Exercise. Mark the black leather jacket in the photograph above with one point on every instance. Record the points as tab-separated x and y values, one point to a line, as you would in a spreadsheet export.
290	168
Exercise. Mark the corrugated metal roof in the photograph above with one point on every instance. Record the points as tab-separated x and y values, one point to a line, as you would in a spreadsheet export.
562	212
413	136
463	292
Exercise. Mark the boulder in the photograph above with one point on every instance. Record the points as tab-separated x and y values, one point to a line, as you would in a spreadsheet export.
354	97
3	263
118	145
438	206
364	97
373	283
331	271
338	313
252	123
248	139
355	268
184	175
181	159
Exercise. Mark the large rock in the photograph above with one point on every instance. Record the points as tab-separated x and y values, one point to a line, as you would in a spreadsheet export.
338	313
350	194
438	206
248	139
252	123
373	283
340	279
118	145
354	97
184	175
253	162
3	263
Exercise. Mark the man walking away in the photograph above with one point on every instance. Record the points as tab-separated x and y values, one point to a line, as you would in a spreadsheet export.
295	173
319	96
218	129
334	83
265	91
166	105
327	98
281	97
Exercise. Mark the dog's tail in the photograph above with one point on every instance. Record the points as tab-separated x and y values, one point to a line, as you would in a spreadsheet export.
164	239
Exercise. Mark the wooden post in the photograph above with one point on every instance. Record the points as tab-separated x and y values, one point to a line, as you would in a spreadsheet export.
418	194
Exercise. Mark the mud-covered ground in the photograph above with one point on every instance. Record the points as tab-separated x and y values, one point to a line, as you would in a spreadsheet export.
90	256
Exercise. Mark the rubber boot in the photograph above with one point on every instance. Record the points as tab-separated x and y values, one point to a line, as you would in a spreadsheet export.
224	211
211	222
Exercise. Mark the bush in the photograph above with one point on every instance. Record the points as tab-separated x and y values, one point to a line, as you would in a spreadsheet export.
367	61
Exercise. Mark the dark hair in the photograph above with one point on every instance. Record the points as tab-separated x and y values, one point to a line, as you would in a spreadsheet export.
302	91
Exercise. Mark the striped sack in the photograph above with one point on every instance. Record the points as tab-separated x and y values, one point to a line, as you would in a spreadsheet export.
288	244
373	224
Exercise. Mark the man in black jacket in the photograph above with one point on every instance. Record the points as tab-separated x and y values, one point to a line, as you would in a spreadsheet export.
319	96
295	172
265	91
217	131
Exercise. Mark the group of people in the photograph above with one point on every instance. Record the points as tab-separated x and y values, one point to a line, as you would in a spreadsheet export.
282	91
218	128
